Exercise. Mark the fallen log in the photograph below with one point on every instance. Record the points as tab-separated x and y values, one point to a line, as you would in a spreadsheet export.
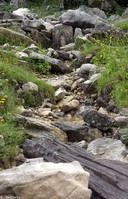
108	179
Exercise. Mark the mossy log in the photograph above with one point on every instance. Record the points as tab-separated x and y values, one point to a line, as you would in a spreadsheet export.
108	179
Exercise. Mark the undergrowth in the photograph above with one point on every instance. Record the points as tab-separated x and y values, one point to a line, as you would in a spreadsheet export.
13	74
112	56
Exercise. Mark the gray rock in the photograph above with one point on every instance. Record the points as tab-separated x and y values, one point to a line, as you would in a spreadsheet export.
22	12
71	105
61	35
114	17
59	94
75	132
21	55
68	47
42	38
45	180
78	19
57	82
121	121
87	70
93	11
83	144
30	86
57	65
39	128
76	84
78	32
3	3
89	85
30	49
101	102
98	120
99	12
82	109
107	148
33	23
107	6
58	54
124	111
105	28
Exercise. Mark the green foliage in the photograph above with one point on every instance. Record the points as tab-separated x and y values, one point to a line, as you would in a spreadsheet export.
85	46
40	66
122	24
9	146
7	8
113	58
124	136
14	71
14	38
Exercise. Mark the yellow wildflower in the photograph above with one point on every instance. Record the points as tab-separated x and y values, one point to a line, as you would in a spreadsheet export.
2	99
1	102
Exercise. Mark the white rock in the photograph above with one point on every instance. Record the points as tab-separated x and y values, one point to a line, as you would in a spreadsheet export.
107	148
59	94
42	180
30	86
21	54
73	104
103	111
21	12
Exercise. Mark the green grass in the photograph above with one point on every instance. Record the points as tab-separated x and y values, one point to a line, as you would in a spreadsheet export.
13	70
12	74
112	56
122	24
10	145
42	9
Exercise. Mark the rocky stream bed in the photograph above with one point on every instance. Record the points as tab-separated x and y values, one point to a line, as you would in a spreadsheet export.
79	125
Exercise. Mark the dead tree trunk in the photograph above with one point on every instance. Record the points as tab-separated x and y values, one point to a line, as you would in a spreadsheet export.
107	178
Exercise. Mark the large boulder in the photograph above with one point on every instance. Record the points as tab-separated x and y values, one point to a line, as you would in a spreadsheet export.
77	18
93	11
75	132
98	120
89	85
15	37
70	105
39	128
107	148
57	65
87	70
61	35
33	23
43	180
22	12
102	28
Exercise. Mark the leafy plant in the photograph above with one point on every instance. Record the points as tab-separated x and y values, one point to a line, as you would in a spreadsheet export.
42	67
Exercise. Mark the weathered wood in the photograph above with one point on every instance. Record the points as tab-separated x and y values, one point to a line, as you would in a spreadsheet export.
107	178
